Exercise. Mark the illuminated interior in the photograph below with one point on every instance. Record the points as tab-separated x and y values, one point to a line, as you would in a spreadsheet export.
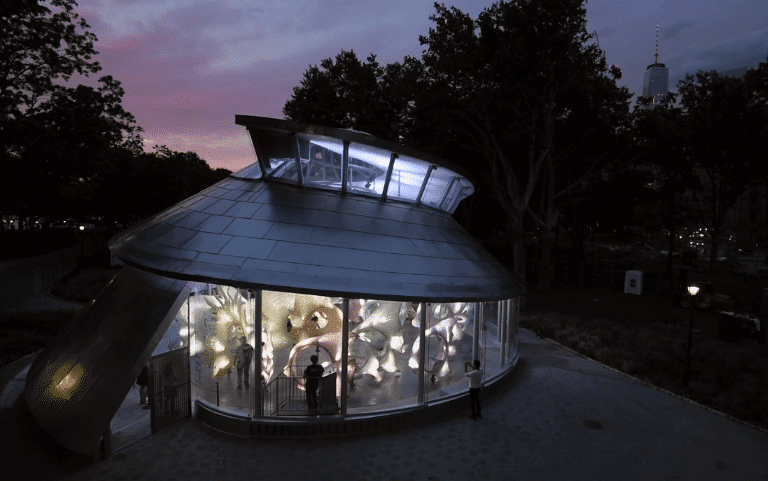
384	347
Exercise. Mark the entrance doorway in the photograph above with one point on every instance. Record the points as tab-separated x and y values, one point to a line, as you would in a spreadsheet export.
169	388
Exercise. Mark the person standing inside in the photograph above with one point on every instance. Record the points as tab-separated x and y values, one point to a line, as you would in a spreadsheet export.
244	354
475	379
143	382
312	375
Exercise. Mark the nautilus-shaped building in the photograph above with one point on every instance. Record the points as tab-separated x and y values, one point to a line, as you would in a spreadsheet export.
335	244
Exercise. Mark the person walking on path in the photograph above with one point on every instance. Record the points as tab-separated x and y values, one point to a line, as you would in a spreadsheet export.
244	354
312	375
143	382
475	379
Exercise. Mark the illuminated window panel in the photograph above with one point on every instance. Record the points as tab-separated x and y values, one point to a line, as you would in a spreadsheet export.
282	156
458	190
439	182
366	169
407	178
300	154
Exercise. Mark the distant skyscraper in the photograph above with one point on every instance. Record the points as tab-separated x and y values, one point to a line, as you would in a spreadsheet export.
656	80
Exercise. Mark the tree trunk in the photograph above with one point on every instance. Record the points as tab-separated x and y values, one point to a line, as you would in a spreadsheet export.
547	266
670	249
515	232
715	246
672	226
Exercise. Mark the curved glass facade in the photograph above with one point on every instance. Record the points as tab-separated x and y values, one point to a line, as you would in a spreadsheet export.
377	355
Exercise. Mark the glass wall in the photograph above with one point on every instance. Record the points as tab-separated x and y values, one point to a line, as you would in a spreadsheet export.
381	339
213	321
449	341
382	369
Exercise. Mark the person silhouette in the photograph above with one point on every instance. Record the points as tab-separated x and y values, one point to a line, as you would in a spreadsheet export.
312	375
244	354
475	379
143	381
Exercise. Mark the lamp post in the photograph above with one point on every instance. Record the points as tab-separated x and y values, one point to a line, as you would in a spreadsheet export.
692	290
82	247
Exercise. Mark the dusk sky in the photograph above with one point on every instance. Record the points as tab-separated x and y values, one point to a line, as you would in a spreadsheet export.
189	66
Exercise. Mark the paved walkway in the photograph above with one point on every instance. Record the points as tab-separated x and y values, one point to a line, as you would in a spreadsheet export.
564	418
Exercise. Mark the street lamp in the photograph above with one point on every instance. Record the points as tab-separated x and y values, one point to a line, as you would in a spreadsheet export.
692	290
82	246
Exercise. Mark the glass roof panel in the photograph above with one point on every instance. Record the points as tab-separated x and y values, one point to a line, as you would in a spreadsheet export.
407	177
439	181
460	190
367	168
323	163
282	157
314	156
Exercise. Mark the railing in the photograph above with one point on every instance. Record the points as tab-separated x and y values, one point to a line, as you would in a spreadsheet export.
282	396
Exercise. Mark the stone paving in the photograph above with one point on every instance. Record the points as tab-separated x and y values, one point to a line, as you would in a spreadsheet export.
564	417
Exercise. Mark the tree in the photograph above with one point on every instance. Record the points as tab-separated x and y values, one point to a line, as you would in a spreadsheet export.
756	83
524	90
661	138
724	128
68	145
518	97
350	94
42	44
144	184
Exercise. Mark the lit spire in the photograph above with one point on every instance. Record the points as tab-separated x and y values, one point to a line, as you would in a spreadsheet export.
657	44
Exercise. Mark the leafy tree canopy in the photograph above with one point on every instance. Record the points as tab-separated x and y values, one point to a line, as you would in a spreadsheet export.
74	151
43	43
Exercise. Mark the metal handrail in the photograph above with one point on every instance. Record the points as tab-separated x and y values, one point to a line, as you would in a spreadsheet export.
282	396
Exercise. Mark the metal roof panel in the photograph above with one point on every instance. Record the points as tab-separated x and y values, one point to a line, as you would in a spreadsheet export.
397	249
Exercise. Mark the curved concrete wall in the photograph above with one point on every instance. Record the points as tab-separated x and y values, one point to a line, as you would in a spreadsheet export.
75	385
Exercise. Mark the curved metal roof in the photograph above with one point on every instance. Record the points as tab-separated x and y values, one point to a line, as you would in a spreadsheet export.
270	235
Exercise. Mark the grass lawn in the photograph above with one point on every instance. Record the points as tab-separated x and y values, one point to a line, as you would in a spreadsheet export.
646	337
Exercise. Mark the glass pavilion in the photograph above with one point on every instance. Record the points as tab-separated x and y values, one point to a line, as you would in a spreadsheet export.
334	243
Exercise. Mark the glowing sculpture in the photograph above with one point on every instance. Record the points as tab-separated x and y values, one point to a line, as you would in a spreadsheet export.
299	321
379	336
228	320
313	316
274	317
447	328
330	343
267	356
